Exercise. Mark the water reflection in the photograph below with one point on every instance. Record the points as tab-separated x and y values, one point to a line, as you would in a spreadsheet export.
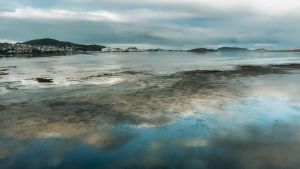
195	142
244	117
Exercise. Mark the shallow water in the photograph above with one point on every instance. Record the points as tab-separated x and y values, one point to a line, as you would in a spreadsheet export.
151	110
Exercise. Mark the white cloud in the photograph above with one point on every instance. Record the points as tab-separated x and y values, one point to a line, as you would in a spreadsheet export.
148	11
54	14
264	6
138	15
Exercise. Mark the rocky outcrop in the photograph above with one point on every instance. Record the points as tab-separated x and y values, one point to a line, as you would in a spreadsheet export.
44	80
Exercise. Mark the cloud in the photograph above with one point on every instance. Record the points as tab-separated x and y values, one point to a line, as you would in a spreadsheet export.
139	15
270	7
190	23
52	14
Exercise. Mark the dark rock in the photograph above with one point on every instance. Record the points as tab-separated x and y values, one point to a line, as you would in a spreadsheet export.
44	80
287	66
7	67
3	70
3	73
2	107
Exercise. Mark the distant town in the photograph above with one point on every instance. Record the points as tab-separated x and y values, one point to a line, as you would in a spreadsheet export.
19	48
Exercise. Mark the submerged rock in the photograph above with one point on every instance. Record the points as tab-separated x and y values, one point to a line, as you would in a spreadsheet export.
3	70
3	73
6	67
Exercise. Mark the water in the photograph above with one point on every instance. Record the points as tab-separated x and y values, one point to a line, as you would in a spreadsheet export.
151	110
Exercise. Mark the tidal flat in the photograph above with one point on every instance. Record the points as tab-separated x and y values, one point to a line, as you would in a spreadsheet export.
237	110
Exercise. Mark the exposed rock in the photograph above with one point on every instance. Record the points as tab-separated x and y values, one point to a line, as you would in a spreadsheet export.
287	66
8	67
3	70
44	80
3	73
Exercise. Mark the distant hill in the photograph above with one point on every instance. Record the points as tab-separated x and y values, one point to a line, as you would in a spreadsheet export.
286	50
48	42
261	50
222	49
56	43
229	49
155	50
45	47
202	50
294	50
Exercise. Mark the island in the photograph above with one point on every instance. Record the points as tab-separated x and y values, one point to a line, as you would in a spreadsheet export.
202	50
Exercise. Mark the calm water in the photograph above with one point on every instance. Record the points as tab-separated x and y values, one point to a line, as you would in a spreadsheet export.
151	110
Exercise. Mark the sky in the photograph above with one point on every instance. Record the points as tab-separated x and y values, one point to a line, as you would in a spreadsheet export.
178	24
